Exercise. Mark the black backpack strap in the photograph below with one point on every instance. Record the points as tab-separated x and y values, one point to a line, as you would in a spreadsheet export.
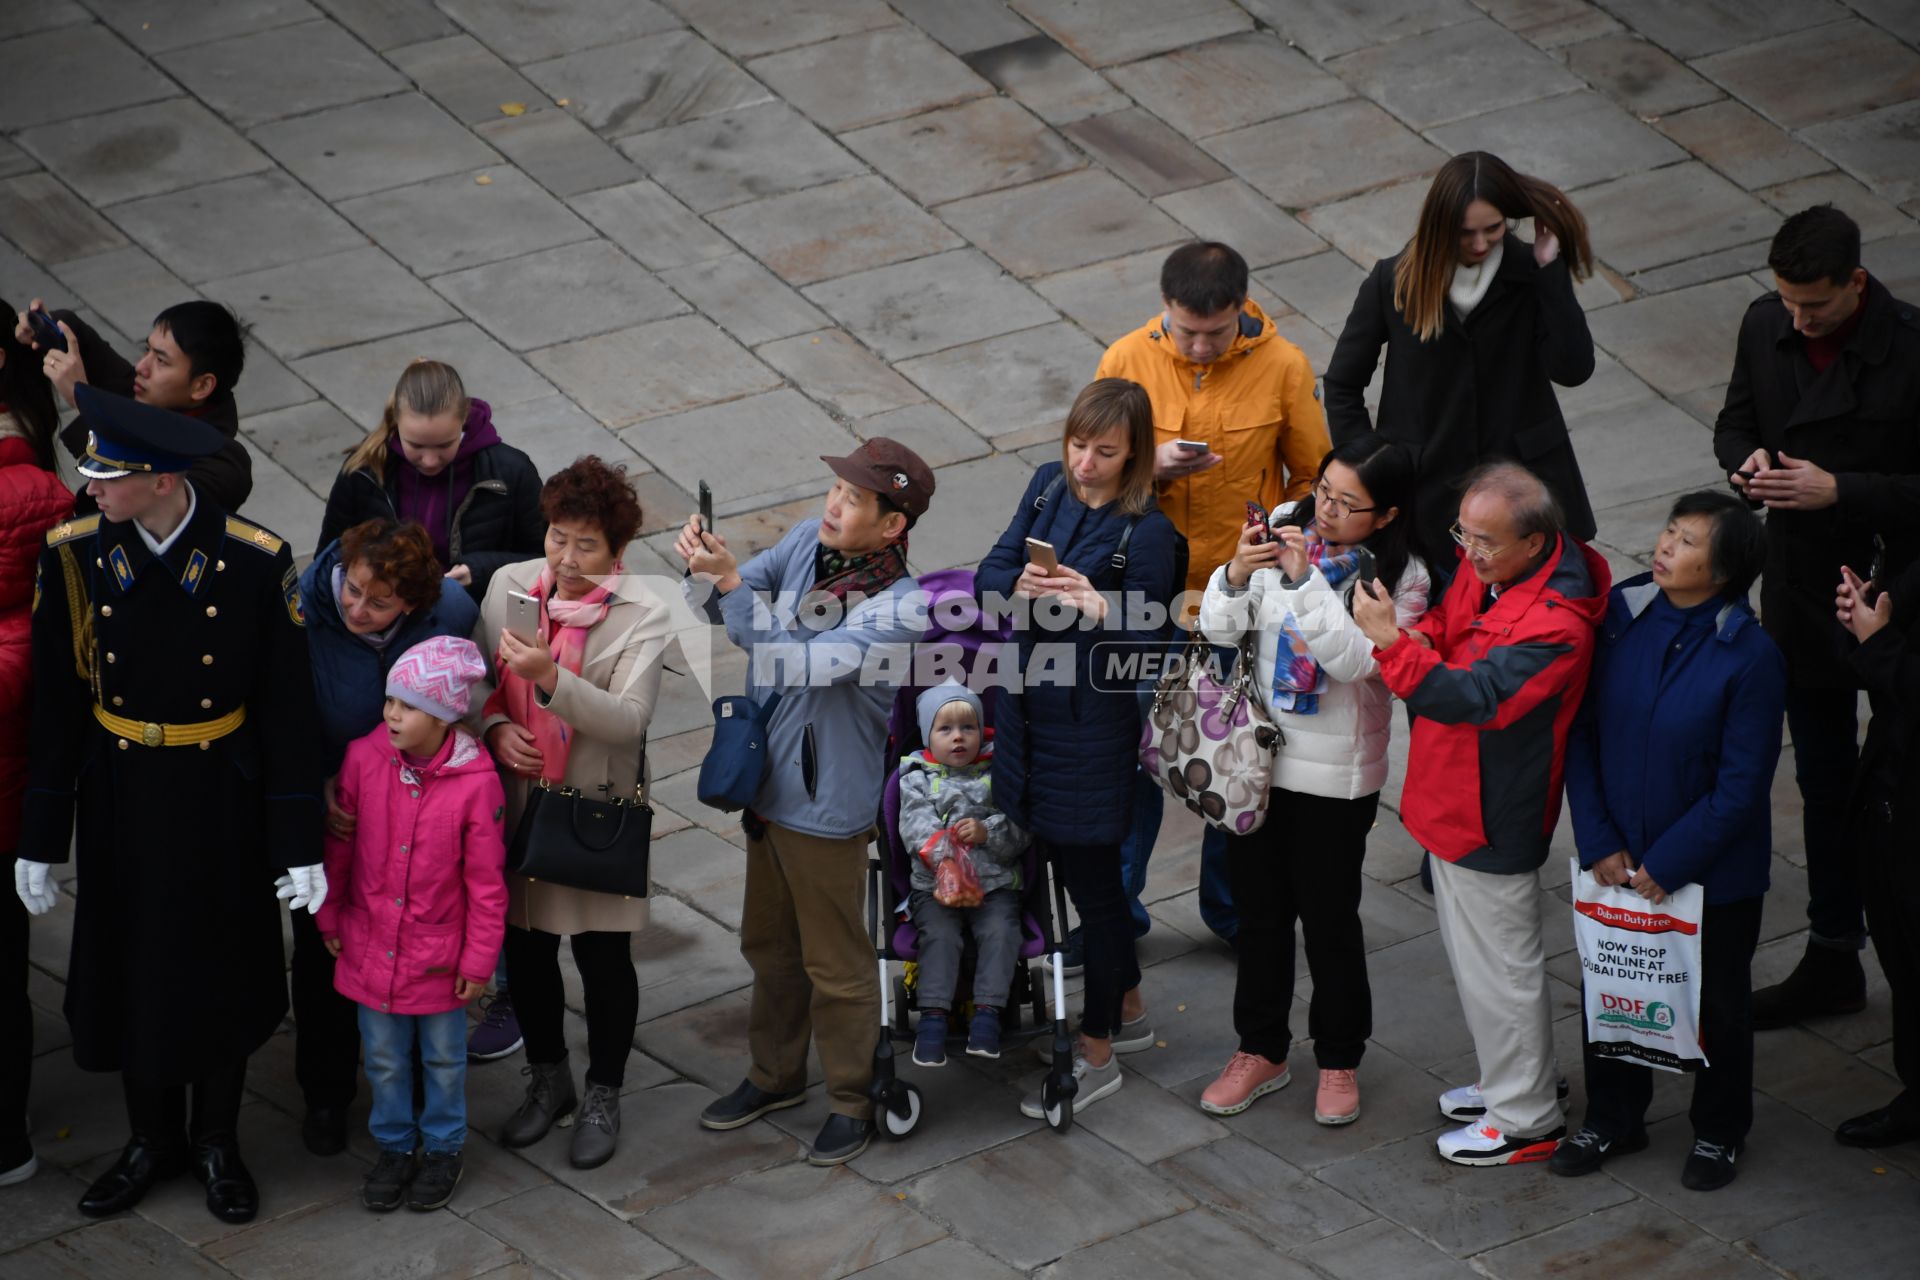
1119	560
1047	495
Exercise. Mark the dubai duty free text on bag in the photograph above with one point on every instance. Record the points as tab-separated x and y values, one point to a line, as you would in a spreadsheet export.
1640	966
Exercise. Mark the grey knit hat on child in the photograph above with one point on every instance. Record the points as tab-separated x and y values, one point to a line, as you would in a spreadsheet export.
927	706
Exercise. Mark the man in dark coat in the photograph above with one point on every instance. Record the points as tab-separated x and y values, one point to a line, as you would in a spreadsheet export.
1880	826
1822	426
173	717
193	359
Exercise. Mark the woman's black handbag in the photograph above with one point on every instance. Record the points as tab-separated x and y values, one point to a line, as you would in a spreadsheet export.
601	846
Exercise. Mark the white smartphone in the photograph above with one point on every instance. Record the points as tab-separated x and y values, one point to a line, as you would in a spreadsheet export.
523	616
1193	446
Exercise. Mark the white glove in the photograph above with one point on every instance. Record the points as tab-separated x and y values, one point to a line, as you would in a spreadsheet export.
303	887
35	889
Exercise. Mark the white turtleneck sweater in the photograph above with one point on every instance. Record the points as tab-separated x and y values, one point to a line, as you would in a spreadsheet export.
1470	282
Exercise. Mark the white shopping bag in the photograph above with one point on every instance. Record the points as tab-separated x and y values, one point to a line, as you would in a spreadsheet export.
1641	966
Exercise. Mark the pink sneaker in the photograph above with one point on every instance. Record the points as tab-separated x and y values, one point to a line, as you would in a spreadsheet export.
1337	1101
1246	1077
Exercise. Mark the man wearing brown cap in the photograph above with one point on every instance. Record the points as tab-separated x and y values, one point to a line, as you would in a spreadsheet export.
835	666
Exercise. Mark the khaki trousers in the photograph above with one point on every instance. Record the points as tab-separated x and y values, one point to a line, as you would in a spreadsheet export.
803	932
1490	927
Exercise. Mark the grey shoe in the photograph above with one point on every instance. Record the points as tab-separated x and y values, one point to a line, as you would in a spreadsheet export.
1095	1083
596	1130
550	1101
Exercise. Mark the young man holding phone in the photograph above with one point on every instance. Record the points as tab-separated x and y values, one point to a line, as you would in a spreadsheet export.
1818	426
1237	421
192	361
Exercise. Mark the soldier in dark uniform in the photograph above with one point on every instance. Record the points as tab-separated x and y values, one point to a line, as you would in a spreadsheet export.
173	717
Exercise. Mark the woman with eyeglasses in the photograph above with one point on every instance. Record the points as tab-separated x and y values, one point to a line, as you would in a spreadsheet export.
1316	668
436	459
1478	326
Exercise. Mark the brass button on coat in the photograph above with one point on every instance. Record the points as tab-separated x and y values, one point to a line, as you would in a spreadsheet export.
205	703
212	612
106	611
206	659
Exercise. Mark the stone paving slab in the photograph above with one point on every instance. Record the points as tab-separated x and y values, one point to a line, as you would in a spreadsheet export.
763	150
143	151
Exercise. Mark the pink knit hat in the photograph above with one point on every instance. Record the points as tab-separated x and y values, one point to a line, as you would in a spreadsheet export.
435	676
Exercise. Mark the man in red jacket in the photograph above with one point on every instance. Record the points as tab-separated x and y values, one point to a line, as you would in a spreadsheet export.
1493	677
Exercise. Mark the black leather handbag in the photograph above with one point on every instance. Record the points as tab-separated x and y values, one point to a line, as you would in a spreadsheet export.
602	846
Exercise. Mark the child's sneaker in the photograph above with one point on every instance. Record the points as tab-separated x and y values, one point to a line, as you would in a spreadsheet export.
983	1033
1245	1078
1337	1101
433	1185
386	1184
930	1044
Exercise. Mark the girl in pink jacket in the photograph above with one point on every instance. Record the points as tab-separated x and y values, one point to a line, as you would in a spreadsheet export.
418	912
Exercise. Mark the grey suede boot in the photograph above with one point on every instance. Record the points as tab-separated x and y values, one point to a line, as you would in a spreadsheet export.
597	1130
550	1101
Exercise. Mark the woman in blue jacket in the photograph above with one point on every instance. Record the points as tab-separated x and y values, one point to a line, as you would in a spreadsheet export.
1669	774
1066	746
368	597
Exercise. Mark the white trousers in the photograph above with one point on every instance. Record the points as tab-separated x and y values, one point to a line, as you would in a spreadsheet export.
1490	927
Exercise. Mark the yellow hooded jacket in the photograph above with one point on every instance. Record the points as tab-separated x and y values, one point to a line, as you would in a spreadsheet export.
1254	406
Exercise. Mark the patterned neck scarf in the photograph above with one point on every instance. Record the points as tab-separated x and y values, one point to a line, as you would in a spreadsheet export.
869	574
1298	680
563	625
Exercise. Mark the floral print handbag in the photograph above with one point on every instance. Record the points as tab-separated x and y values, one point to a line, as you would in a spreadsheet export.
1212	745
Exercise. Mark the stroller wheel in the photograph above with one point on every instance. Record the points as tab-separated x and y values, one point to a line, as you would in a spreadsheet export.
897	1126
1057	1104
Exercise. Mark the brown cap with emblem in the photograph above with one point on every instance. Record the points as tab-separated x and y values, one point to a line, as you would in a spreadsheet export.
891	470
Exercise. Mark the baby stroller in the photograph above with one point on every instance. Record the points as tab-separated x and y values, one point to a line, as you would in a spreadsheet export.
897	1104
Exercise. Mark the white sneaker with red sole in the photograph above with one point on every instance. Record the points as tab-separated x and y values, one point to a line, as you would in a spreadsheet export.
1482	1144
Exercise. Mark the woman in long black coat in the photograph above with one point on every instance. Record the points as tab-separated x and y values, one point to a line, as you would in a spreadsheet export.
1478	324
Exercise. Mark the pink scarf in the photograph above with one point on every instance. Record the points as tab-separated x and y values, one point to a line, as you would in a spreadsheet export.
563	625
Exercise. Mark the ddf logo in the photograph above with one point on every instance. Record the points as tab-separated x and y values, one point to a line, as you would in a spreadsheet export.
1631	1011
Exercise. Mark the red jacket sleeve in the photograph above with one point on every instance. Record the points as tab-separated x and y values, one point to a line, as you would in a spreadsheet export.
483	863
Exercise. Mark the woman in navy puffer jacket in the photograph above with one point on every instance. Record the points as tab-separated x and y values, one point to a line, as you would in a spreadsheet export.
1066	748
32	500
1669	777
368	598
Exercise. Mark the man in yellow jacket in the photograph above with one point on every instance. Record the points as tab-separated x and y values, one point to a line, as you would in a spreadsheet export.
1220	378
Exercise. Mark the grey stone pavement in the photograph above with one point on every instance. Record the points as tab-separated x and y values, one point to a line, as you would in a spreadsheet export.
715	238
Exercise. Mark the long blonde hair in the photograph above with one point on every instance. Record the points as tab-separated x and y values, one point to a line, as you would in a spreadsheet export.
1425	269
426	387
1102	406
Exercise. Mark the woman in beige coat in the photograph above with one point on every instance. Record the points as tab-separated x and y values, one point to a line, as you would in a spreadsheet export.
571	707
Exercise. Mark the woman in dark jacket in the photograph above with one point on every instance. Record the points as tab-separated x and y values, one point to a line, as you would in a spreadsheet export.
32	500
1066	747
1478	324
368	598
436	459
1670	775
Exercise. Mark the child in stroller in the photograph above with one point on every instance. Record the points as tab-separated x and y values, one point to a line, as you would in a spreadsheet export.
966	871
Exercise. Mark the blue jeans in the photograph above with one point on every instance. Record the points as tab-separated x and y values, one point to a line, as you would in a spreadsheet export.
386	1042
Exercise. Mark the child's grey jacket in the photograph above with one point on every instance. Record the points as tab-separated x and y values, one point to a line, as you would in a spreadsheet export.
935	795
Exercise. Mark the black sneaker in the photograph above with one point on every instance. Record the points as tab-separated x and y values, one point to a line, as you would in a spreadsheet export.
433	1184
746	1104
386	1184
1588	1149
1073	955
1709	1166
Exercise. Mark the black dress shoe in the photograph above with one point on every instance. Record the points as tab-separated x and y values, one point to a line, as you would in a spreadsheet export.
746	1104
1828	980
840	1139
325	1130
231	1195
1881	1128
141	1164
